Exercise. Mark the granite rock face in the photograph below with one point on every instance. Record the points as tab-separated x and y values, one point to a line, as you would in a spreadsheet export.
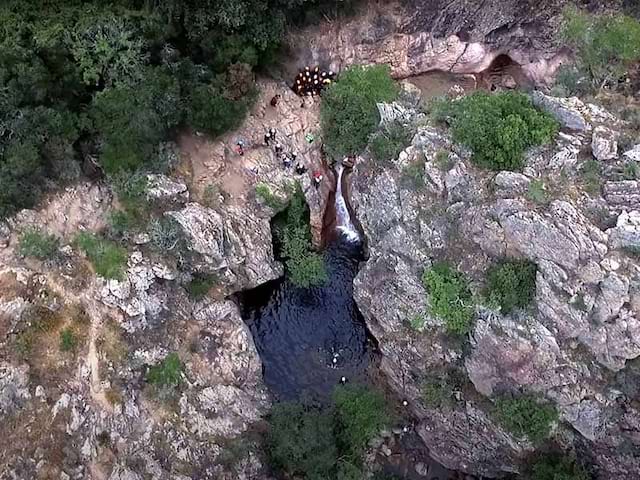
574	346
418	36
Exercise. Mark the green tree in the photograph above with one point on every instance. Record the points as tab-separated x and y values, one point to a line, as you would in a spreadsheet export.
132	119
301	441
360	415
512	284
606	45
498	128
348	112
555	466
305	268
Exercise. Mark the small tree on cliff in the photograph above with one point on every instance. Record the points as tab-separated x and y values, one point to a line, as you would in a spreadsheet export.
349	114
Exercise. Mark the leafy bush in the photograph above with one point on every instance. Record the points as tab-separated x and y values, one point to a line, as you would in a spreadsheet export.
498	127
605	44
556	466
264	194
108	258
526	416
449	297
348	112
35	243
301	441
200	286
305	268
68	340
387	143
417	322
209	111
512	284
167	373
360	415
537	192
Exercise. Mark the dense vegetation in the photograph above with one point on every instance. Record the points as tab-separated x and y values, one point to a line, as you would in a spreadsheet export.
329	443
304	267
450	297
605	47
111	80
556	466
512	284
526	416
498	128
348	111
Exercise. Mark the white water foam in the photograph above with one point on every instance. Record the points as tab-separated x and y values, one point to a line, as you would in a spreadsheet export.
343	219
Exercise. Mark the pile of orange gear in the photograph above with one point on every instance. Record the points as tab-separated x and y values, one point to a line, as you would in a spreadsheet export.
311	82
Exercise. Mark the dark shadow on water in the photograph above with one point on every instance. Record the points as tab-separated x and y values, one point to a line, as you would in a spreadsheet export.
309	338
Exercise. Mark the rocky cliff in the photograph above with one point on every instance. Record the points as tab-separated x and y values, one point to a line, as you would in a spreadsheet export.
460	36
576	346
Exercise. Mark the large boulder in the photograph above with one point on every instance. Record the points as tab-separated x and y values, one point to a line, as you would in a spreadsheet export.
234	246
604	144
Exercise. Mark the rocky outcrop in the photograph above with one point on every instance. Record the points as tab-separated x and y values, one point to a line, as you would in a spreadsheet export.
418	36
585	322
234	246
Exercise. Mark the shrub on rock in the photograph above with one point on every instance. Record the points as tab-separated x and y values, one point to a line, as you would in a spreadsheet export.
512	284
526	416
449	297
498	128
37	244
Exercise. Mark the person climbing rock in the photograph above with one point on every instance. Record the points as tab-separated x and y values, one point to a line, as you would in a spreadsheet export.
279	148
300	168
276	98
317	178
286	161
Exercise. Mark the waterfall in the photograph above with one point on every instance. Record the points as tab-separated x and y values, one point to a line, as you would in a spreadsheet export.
343	218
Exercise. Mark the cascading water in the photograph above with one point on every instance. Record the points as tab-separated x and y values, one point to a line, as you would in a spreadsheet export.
309	339
343	218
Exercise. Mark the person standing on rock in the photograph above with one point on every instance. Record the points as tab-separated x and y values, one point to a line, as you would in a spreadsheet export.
275	100
317	178
300	168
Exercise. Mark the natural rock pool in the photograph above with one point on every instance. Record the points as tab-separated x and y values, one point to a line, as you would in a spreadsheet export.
309	338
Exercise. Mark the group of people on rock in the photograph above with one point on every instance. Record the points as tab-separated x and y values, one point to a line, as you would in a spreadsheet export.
311	82
289	158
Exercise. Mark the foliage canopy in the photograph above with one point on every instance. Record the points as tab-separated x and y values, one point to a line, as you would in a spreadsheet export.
348	112
498	127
